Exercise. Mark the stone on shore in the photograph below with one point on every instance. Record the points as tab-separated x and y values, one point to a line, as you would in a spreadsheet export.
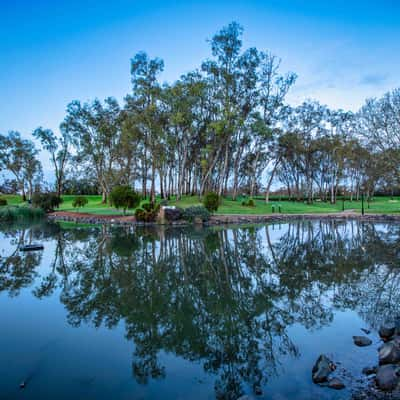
387	377
389	353
386	331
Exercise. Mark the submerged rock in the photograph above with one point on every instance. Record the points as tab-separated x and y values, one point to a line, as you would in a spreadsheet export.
389	353
362	341
336	383
369	370
322	369
387	377
386	331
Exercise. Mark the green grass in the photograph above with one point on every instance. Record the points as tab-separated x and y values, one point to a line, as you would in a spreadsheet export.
380	205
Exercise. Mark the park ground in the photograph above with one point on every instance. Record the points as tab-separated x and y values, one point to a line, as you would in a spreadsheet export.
380	205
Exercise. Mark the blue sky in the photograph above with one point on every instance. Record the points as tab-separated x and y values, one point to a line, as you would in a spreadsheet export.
52	52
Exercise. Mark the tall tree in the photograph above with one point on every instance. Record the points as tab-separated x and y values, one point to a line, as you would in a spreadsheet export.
58	147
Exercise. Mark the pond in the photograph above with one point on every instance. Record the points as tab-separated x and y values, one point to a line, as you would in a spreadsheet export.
207	313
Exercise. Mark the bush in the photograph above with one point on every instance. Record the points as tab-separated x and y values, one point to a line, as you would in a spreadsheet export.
124	197
173	214
79	201
211	201
190	213
249	203
164	202
10	213
3	202
148	212
46	201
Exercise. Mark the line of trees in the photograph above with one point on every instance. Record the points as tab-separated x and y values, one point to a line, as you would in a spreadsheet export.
225	127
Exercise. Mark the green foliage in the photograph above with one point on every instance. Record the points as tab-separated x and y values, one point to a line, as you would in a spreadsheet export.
12	213
148	212
79	201
249	203
124	197
190	213
3	202
211	201
173	214
46	201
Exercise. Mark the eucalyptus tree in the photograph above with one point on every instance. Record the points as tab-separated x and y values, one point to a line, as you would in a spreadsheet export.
273	88
223	74
143	107
96	128
309	121
59	149
19	157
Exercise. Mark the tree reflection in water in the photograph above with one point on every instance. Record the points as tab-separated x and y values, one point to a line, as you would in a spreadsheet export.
224	297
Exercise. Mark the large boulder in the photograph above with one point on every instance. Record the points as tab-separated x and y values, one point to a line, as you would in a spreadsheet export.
362	341
386	331
322	369
389	353
387	377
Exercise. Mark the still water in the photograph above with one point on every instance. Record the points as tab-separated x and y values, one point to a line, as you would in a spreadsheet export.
156	313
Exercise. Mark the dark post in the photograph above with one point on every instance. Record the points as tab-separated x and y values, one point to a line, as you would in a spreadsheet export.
362	203
343	204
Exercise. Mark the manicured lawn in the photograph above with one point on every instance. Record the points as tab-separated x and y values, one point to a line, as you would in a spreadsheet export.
380	205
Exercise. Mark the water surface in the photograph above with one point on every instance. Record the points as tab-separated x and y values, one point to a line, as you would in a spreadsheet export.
214	313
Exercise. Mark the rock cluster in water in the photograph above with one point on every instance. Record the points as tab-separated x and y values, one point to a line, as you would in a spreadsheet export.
321	372
386	376
388	372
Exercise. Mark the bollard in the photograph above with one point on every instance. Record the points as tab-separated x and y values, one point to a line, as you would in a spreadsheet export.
273	209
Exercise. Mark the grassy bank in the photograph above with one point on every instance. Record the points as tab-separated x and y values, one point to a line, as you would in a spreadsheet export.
380	205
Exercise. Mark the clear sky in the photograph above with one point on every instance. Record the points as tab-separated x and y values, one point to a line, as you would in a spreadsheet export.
52	52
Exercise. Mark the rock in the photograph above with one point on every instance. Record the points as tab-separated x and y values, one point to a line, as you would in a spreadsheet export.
362	341
386	331
257	390
387	377
389	353
336	383
369	370
366	331
322	369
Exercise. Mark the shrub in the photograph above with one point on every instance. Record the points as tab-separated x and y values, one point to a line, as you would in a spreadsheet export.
9	213
249	203
79	201
46	201
211	201
124	197
190	213
3	202
164	202
173	214
148	212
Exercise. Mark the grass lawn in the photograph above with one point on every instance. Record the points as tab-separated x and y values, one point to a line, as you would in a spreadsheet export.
380	205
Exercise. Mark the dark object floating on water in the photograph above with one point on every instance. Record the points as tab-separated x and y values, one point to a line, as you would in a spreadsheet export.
361	341
31	247
366	331
22	385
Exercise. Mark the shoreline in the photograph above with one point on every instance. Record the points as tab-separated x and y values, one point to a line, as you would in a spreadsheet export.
221	219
